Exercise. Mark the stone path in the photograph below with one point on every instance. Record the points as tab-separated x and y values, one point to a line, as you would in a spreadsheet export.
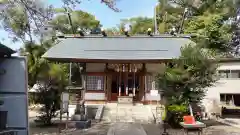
126	129
136	129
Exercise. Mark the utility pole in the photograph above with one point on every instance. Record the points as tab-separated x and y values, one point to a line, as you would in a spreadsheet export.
70	22
155	19
183	19
69	19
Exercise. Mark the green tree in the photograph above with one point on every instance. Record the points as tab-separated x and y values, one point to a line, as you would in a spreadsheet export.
212	32
139	25
22	19
168	15
52	83
209	21
185	80
188	77
80	19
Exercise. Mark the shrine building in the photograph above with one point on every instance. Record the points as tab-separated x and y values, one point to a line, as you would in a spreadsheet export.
119	68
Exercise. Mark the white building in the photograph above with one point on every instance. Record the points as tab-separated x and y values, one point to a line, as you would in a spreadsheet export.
226	91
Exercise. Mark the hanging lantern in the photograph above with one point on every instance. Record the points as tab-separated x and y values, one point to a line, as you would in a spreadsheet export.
126	68
118	69
130	67
135	68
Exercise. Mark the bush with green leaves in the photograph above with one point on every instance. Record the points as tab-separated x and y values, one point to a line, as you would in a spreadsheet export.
50	97
52	83
176	113
186	78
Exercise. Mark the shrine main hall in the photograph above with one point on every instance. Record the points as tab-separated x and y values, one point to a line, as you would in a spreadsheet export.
119	67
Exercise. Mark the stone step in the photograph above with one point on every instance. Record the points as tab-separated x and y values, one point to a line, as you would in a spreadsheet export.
127	113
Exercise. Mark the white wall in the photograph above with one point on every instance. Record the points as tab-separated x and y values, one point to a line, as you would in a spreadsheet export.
94	96
222	86
149	97
229	66
95	67
13	91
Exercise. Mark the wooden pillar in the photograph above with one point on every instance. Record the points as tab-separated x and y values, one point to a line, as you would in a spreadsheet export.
233	100
141	87
143	83
126	83
109	86
225	98
84	80
119	84
134	83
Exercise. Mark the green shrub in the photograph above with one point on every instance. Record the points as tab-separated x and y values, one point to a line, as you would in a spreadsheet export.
175	114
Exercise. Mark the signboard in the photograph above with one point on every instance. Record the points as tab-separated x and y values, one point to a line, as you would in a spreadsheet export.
154	92
99	82
65	102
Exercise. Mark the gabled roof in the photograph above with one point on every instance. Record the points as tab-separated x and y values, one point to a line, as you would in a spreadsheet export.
5	51
135	48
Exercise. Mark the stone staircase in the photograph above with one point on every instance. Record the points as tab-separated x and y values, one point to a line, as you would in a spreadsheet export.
129	113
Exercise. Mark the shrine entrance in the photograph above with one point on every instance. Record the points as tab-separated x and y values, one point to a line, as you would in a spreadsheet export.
125	81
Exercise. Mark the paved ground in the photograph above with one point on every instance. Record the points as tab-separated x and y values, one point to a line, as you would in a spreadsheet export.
150	129
213	128
126	129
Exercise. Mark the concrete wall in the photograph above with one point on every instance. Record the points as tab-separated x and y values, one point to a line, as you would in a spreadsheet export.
13	91
94	96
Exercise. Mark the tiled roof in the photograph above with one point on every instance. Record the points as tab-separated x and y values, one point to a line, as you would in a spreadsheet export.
5	51
118	48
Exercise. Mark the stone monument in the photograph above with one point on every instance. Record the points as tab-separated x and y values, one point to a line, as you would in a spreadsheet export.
80	116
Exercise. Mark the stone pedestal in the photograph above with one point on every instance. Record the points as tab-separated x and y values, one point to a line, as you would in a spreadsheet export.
125	99
83	124
79	117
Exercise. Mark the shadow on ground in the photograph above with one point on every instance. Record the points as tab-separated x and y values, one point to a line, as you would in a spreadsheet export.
213	128
210	123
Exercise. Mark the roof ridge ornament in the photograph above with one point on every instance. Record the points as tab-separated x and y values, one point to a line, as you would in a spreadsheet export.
80	31
103	32
149	32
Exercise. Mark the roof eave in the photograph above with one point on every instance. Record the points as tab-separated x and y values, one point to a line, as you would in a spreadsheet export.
6	51
77	60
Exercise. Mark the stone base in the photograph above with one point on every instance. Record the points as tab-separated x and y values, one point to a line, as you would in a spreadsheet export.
79	117
125	99
83	124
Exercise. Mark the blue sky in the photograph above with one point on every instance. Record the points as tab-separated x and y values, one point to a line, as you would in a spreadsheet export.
107	17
